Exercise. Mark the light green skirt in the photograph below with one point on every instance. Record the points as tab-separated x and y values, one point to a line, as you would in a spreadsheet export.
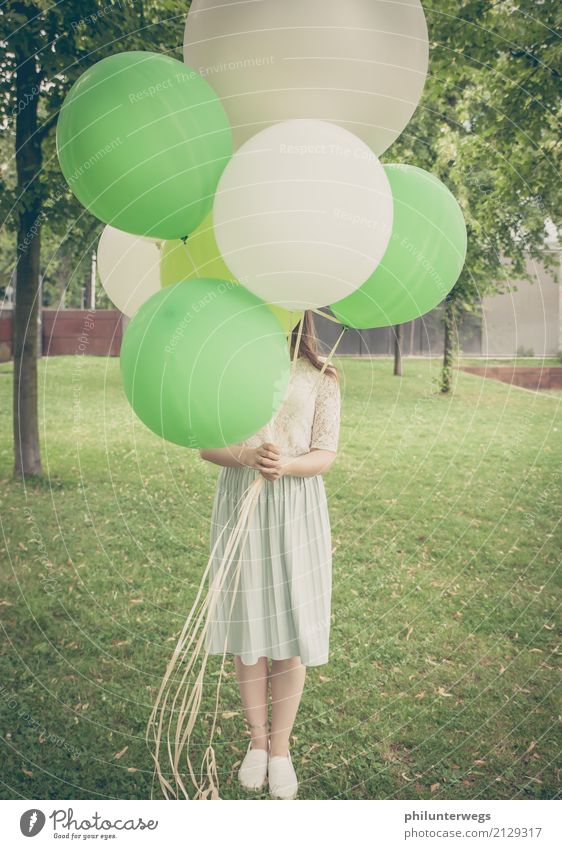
281	607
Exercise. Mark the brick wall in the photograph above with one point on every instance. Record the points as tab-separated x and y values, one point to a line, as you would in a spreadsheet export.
96	332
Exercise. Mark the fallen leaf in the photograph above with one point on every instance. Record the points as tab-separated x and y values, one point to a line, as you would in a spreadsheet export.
120	754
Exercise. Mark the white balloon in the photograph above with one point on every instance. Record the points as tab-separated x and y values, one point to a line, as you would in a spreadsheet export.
129	268
303	214
358	63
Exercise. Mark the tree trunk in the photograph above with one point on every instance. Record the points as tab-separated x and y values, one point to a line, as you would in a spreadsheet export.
398	350
27	458
63	274
449	346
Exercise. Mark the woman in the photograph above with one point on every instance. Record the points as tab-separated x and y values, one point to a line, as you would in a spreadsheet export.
279	613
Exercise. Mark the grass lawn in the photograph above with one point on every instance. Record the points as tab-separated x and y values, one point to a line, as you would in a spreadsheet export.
445	517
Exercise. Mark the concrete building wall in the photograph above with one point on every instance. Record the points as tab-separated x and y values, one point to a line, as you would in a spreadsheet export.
526	318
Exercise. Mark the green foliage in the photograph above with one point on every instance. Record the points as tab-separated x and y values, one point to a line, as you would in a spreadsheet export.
488	126
65	38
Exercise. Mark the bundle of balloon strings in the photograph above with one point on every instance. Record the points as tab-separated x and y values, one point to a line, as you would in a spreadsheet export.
179	698
190	652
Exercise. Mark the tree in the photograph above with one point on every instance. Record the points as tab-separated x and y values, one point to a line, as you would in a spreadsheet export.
487	126
398	337
67	230
46	46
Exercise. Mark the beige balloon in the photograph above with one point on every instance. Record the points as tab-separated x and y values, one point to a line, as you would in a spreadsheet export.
358	63
303	214
129	268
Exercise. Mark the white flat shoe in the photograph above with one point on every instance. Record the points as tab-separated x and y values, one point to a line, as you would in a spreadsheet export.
283	782
253	769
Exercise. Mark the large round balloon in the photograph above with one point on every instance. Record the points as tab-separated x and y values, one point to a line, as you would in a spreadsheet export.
360	63
199	256
142	141
303	213
204	363
128	267
424	257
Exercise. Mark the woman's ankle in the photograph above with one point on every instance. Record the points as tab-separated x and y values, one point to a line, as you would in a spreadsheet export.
278	750
260	737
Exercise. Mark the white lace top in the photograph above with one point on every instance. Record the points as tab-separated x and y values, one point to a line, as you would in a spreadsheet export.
309	416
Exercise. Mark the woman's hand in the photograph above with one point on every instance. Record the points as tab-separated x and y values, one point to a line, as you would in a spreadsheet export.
266	459
274	474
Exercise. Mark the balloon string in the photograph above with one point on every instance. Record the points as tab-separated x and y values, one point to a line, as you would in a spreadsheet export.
239	537
326	315
192	699
185	639
207	784
210	751
184	242
297	345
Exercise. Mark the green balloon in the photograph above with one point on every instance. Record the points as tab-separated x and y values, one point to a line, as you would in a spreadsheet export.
142	141
205	363
424	257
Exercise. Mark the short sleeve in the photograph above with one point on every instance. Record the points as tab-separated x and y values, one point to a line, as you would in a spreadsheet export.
326	423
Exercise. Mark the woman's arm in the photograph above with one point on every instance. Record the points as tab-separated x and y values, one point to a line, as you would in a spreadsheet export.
231	455
316	462
263	458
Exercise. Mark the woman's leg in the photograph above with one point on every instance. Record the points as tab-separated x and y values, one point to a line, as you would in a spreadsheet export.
252	681
287	682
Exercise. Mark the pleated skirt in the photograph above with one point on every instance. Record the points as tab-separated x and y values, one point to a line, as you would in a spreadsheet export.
282	604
